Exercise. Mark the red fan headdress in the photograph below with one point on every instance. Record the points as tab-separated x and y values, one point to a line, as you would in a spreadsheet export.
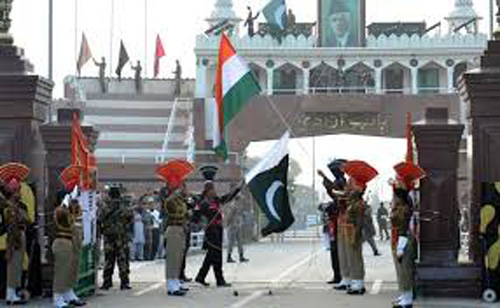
175	172
361	172
12	174
71	177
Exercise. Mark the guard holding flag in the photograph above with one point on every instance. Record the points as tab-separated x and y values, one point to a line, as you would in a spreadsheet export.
360	173
211	207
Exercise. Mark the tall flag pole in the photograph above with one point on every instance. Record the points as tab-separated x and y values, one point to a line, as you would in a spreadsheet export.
409	140
76	30
159	53
111	33
145	38
235	85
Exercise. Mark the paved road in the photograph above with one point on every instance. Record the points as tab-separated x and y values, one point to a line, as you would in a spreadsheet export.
290	274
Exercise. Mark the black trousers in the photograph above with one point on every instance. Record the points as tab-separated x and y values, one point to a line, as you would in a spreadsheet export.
155	244
334	258
213	257
188	243
3	274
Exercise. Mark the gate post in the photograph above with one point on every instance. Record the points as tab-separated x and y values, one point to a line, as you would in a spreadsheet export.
438	270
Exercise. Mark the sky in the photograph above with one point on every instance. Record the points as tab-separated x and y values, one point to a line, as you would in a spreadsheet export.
177	23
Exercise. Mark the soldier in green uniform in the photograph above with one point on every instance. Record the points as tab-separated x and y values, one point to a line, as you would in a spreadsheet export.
360	173
16	220
403	241
115	220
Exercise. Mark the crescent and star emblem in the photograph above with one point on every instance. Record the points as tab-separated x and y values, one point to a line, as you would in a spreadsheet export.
270	193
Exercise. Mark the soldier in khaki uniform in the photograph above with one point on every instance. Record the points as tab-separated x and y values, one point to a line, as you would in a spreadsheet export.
68	240
175	236
17	221
403	241
175	204
360	173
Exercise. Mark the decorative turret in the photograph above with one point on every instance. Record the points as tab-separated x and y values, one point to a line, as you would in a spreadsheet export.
223	11
463	16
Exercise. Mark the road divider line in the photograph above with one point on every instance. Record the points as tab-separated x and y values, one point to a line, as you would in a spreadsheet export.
149	289
377	285
275	281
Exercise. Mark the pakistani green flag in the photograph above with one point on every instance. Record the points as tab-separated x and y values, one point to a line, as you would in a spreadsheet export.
122	60
275	13
268	185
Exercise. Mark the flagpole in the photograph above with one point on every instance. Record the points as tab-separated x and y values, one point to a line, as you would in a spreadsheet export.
76	35
145	38
111	30
284	121
51	34
492	18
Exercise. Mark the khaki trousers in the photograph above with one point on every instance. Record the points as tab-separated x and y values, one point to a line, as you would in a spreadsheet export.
77	250
176	241
15	260
406	268
342	254
63	262
355	260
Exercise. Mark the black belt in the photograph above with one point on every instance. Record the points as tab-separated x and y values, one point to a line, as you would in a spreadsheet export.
66	237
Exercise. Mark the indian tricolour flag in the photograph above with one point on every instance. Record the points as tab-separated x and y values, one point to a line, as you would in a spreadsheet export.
235	85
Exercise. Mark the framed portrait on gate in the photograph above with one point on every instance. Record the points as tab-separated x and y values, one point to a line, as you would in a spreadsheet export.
341	23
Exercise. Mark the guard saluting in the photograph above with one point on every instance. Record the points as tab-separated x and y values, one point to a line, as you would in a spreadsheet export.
360	173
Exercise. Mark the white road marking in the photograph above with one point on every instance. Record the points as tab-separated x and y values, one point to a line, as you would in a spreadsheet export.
275	281
377	285
149	289
248	299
